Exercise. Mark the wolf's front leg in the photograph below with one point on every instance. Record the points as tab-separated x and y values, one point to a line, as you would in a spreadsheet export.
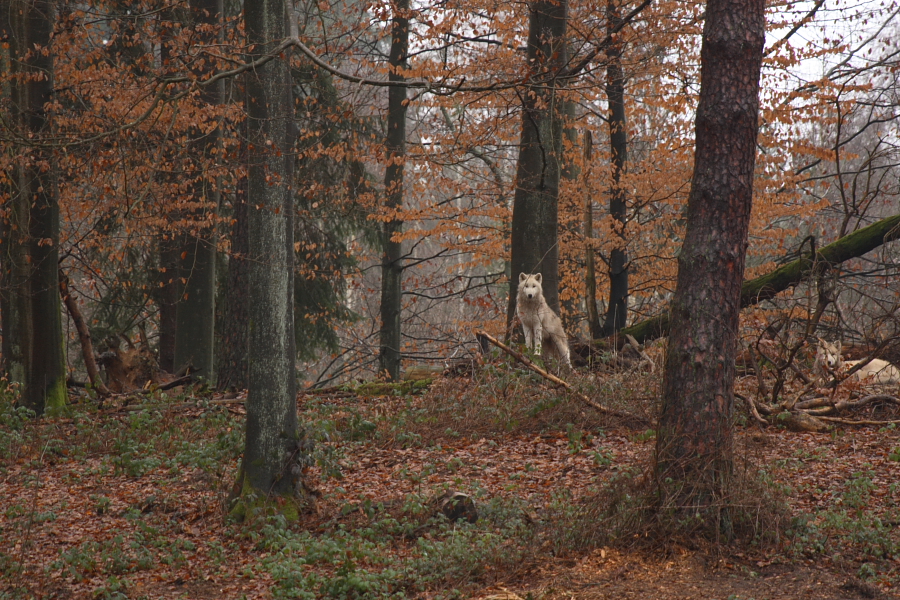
529	336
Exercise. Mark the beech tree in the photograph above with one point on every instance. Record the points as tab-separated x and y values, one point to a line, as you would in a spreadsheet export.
195	309
29	293
694	448
273	451
395	146
534	241
617	306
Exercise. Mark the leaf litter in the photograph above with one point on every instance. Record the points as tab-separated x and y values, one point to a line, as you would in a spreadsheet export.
80	522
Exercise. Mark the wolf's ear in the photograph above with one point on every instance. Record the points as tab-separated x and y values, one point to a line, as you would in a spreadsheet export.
837	346
537	277
522	277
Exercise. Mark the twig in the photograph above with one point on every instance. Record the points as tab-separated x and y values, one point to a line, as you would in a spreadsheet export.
860	422
553	378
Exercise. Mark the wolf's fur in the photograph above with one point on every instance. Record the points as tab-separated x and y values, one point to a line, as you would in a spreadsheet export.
542	326
829	360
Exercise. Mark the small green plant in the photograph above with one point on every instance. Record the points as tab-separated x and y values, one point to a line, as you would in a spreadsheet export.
602	457
645	436
576	438
101	503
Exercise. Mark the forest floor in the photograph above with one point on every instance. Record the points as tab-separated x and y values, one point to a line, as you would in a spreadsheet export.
128	501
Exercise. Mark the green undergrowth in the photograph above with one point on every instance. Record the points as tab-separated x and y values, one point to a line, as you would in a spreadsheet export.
397	552
852	531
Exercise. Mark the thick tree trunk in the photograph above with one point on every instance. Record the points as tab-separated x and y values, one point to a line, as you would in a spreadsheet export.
273	444
766	287
196	309
32	334
694	449
534	236
166	296
395	144
617	307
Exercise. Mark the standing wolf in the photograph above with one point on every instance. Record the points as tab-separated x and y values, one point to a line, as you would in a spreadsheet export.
542	326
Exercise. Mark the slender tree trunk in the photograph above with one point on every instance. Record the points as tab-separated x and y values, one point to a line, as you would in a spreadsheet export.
570	163
590	271
617	307
196	308
695	438
395	144
534	236
273	445
32	335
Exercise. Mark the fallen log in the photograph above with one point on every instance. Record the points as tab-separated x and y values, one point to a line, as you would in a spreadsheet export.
768	286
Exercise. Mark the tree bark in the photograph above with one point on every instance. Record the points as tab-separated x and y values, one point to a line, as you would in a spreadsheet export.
166	297
196	308
395	144
766	287
534	236
617	307
272	436
694	451
33	344
234	329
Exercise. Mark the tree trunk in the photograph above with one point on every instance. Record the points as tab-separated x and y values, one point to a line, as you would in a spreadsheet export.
273	447
766	287
590	271
196	308
571	173
617	308
166	296
234	328
395	145
534	236
33	344
694	450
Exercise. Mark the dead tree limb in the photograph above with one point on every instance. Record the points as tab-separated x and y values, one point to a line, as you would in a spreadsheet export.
84	335
768	286
556	380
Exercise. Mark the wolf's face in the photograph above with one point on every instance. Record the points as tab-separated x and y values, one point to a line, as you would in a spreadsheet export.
828	355
530	285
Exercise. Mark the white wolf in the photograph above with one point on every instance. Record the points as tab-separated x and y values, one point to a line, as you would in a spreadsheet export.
829	360
542	326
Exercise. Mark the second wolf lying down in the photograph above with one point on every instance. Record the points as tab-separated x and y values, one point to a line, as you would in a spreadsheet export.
542	326
829	360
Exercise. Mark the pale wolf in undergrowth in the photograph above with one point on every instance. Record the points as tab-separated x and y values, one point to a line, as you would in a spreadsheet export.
542	326
829	360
